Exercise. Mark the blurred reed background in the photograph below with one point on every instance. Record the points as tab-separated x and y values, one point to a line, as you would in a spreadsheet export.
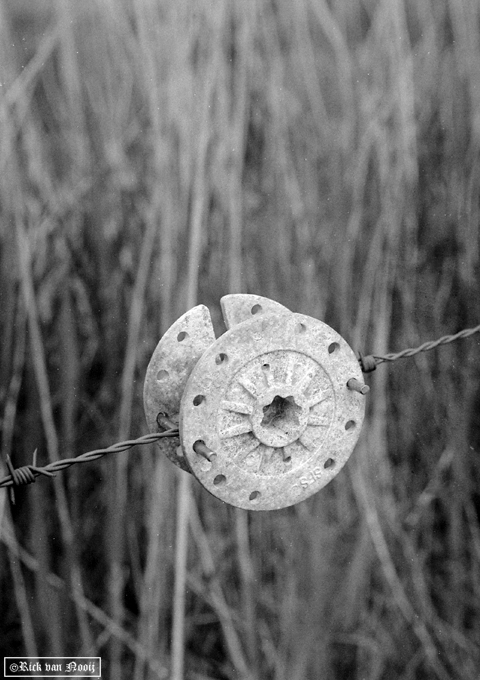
320	152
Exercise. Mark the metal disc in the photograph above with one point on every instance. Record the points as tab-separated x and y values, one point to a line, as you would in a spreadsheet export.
270	400
239	307
170	366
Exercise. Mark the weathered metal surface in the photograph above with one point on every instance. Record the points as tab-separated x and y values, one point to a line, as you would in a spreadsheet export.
239	307
170	366
266	418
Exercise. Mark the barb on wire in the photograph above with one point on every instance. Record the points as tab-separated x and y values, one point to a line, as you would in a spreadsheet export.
28	473
370	362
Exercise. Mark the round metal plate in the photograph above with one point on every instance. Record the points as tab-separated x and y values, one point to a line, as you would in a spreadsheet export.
172	362
177	353
239	307
269	398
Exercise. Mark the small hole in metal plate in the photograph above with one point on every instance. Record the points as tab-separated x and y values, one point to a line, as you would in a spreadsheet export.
220	480
350	425
162	374
266	367
328	463
333	347
254	496
301	328
256	309
182	336
199	399
221	358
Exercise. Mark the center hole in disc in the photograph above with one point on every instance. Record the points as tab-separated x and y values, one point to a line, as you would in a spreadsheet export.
282	413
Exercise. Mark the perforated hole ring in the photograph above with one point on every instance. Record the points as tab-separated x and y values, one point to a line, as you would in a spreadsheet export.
277	413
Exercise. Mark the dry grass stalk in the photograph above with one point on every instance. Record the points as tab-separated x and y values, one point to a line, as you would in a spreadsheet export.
157	154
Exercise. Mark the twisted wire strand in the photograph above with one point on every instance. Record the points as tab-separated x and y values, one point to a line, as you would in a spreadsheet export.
28	473
370	362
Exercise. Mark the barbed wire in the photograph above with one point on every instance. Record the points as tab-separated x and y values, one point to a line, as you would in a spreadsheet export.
29	473
369	363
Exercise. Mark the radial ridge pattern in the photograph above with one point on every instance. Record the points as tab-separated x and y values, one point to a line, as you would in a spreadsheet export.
276	410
